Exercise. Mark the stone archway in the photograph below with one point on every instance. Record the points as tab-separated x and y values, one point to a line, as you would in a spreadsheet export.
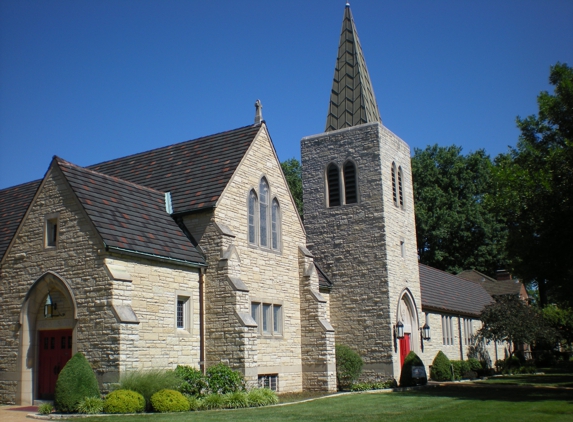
407	314
34	323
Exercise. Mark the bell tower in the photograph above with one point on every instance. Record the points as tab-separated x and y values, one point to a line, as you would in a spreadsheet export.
359	218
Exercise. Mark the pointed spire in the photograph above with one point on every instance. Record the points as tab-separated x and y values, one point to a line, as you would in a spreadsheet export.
352	100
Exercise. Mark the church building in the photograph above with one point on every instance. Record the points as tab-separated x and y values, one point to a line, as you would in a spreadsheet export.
194	254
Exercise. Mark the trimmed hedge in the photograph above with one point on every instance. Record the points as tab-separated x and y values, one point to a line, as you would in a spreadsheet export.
441	368
169	401
124	401
406	379
75	382
348	366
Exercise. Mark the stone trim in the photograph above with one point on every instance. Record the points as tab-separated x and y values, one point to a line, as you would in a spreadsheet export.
326	325
118	272
246	320
124	314
317	296
237	284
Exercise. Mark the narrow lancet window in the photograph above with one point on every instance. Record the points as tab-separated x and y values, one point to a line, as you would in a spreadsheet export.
333	181
394	185
400	187
252	217
263	212
275	225
350	191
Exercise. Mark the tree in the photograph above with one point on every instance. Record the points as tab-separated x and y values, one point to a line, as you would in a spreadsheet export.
293	174
535	193
511	319
455	227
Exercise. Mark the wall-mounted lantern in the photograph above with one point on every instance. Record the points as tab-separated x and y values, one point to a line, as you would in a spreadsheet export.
400	330
50	307
426	331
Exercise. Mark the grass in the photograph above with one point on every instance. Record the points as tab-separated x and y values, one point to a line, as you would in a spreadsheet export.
546	380
463	402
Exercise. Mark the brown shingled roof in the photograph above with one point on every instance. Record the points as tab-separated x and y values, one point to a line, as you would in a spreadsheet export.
491	285
128	216
14	203
195	172
445	292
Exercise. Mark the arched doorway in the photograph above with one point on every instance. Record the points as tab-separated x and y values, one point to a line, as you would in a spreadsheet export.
408	316
47	317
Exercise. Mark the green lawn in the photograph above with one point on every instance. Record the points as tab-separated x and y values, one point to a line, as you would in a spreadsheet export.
460	402
546	380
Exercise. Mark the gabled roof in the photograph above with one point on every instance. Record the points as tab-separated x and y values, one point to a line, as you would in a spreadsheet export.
127	216
14	203
352	100
323	280
195	172
445	292
491	285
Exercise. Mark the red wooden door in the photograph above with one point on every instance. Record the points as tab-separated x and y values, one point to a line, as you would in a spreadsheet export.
404	348
55	351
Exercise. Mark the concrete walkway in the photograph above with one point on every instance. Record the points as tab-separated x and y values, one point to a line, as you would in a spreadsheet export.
13	413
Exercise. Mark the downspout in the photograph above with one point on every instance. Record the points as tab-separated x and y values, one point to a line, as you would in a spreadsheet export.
202	320
461	339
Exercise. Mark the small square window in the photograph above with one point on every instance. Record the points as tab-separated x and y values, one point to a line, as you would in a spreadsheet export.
269	381
51	232
183	313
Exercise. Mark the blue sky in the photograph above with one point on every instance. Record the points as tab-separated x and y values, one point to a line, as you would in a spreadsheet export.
95	80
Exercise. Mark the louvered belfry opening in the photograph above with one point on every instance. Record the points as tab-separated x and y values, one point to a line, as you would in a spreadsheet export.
394	185
400	190
333	179
352	100
350	191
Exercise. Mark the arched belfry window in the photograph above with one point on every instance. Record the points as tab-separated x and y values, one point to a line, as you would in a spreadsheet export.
333	182
400	187
253	217
263	212
350	189
275	225
394	184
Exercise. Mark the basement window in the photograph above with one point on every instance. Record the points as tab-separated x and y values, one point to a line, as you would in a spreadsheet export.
269	381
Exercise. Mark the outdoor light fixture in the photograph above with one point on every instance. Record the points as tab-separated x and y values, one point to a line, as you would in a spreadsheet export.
426	331
400	330
49	307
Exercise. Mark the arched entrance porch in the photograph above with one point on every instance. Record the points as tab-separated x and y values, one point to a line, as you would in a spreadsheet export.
47	336
407	314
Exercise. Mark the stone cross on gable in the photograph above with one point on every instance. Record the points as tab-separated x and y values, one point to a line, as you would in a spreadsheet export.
258	112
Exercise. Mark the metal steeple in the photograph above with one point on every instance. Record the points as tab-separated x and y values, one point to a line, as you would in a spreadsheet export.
352	100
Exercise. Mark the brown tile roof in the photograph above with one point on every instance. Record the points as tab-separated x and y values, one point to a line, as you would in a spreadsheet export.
14	203
445	292
491	285
128	216
195	172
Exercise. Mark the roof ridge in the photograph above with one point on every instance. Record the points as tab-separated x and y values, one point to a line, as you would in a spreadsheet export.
118	179
172	145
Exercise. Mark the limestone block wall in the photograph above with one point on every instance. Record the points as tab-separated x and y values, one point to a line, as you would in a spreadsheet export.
156	342
359	244
76	261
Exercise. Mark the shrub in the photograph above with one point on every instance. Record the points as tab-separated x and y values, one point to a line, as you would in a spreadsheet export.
441	368
374	385
147	383
461	368
169	401
223	380
195	403
475	365
193	381
45	409
124	401
348	366
212	401
75	382
90	406
235	400
406	378
270	396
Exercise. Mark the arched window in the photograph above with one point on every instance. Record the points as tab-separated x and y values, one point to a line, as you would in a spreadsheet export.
333	182
400	188
263	212
350	190
394	185
253	217
275	225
